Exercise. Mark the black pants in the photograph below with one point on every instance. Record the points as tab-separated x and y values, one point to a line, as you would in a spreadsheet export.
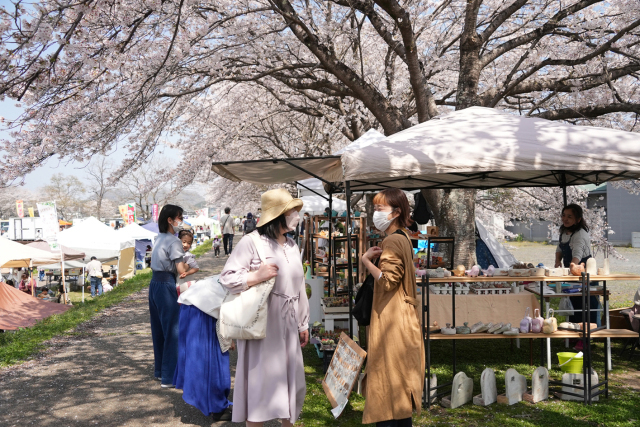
227	242
216	250
395	423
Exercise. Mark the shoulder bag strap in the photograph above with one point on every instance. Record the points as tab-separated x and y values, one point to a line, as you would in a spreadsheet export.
257	241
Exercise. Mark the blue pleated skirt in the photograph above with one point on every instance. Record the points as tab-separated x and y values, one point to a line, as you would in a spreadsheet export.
203	370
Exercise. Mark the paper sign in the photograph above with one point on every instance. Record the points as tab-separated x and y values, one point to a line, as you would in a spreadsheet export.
343	373
20	208
31	214
50	224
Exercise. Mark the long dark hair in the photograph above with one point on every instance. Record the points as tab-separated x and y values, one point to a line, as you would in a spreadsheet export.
578	215
274	228
168	211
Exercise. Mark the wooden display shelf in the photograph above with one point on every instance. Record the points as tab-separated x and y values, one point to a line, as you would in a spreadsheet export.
466	279
605	333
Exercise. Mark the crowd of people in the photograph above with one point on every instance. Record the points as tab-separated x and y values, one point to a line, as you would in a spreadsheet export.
270	381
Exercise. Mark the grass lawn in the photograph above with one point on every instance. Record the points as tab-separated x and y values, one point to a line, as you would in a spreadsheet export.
19	345
203	248
621	408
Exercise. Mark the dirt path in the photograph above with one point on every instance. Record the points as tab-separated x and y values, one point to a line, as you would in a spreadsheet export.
102	375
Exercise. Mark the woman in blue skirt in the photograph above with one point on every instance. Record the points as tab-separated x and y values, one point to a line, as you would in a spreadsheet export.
203	369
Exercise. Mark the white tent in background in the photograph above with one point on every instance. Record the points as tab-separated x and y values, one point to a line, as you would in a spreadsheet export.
503	257
16	255
201	221
136	232
315	205
97	239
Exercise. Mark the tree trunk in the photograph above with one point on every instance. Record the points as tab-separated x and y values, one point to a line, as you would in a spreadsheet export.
98	207
455	212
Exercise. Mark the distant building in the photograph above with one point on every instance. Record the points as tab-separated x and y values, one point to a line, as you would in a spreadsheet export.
622	209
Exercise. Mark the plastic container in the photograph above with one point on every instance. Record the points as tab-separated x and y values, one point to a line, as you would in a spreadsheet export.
573	367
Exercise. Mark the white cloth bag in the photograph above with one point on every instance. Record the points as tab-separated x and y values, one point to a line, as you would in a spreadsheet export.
206	294
243	316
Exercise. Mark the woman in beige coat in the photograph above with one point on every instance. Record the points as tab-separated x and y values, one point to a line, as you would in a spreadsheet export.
395	361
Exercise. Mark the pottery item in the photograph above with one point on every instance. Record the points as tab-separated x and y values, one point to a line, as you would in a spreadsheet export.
536	322
515	289
537	271
459	271
322	269
447	273
539	386
503	329
488	387
550	324
461	391
474	272
495	327
439	272
566	271
485	328
420	273
576	269
592	266
448	330
605	267
489	271
568	325
554	272
519	272
515	385
463	329
525	323
512	331
476	326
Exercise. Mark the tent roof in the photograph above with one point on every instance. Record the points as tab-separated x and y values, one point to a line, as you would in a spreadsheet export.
486	148
202	221
68	253
151	226
313	186
20	310
275	171
14	254
95	239
136	232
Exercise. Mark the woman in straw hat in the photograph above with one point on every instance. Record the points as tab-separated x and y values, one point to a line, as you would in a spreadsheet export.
270	380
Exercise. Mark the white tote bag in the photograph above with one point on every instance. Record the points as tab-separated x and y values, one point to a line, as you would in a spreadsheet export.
243	316
206	294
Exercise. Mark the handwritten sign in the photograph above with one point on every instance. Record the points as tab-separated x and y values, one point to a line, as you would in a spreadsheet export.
343	373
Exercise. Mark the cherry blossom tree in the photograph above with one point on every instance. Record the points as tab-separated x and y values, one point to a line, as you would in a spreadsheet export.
231	77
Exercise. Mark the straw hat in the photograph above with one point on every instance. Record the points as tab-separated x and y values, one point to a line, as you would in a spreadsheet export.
276	202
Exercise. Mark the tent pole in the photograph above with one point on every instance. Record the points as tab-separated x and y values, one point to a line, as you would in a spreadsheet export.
331	248
347	192
64	286
118	270
564	189
33	288
83	282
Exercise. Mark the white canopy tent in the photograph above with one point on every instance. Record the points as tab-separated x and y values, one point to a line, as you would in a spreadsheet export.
16	255
486	148
135	232
97	239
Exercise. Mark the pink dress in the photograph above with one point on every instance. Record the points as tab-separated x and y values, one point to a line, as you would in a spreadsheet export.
270	380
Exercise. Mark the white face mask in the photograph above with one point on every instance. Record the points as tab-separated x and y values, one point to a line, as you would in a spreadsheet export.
293	219
380	220
178	227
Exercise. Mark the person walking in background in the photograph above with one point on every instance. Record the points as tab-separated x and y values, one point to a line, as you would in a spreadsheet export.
270	379
94	270
164	311
249	224
395	359
216	246
227	231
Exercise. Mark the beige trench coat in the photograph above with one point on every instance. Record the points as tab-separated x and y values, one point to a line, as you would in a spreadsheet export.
395	360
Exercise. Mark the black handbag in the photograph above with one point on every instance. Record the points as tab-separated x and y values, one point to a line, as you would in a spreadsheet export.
364	298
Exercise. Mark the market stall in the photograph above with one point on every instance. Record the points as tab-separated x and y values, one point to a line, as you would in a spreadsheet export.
476	148
97	239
